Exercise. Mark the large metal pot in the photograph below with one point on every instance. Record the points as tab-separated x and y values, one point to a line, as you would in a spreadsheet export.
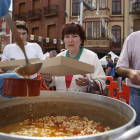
113	113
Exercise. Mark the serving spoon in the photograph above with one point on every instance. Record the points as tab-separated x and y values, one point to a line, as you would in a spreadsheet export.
28	69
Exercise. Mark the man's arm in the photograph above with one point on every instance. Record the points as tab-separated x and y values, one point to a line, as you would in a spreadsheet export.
108	71
133	75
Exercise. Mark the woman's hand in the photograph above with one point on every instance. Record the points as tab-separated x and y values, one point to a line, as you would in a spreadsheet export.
82	81
6	59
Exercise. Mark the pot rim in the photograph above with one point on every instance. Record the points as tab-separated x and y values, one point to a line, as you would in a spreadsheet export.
128	125
7	78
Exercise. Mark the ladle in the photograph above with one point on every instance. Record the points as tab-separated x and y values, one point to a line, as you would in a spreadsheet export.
28	69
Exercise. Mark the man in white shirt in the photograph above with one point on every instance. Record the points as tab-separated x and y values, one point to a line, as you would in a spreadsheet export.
128	66
33	50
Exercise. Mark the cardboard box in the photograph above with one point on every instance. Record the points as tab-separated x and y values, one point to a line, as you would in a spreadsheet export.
63	66
12	64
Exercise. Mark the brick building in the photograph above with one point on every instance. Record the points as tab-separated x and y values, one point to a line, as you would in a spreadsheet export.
5	33
45	18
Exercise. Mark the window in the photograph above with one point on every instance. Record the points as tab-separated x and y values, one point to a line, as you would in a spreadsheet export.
103	31
96	29
51	34
51	2
3	24
103	3
97	4
36	4
136	24
76	7
35	32
116	7
136	4
22	7
116	31
90	2
89	29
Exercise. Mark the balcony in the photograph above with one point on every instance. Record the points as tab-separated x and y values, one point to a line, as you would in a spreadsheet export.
2	32
104	44
118	44
21	16
49	45
116	13
136	7
75	14
34	14
51	10
93	13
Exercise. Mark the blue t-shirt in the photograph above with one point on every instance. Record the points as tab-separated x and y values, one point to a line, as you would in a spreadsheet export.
112	72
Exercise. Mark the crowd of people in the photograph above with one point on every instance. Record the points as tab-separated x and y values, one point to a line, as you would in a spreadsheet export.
73	35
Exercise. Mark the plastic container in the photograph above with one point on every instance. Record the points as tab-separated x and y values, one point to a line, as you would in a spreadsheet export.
21	87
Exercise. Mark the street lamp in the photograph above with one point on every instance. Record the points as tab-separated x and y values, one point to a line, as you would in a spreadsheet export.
83	3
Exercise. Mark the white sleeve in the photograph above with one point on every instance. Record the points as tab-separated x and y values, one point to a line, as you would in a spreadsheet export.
125	56
98	74
39	52
5	54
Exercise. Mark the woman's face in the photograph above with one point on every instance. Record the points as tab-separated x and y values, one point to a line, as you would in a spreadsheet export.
72	41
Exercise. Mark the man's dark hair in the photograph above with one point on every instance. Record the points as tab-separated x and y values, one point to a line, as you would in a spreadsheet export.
109	55
116	58
74	28
21	25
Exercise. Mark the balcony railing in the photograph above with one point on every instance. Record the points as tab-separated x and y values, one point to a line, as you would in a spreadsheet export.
104	43
2	32
96	43
116	13
21	16
34	14
118	44
76	14
93	13
49	45
51	10
136	7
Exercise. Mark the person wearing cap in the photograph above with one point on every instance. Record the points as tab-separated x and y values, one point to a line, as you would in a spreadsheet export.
110	68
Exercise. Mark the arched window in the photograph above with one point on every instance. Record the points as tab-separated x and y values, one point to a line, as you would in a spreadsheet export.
116	7
75	7
116	31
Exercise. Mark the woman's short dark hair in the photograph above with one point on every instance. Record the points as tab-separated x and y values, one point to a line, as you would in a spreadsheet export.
21	25
74	28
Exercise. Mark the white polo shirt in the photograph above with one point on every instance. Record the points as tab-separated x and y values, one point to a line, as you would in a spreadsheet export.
33	50
130	55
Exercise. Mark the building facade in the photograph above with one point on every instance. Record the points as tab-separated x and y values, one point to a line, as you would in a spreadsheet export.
134	15
116	16
5	33
45	19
